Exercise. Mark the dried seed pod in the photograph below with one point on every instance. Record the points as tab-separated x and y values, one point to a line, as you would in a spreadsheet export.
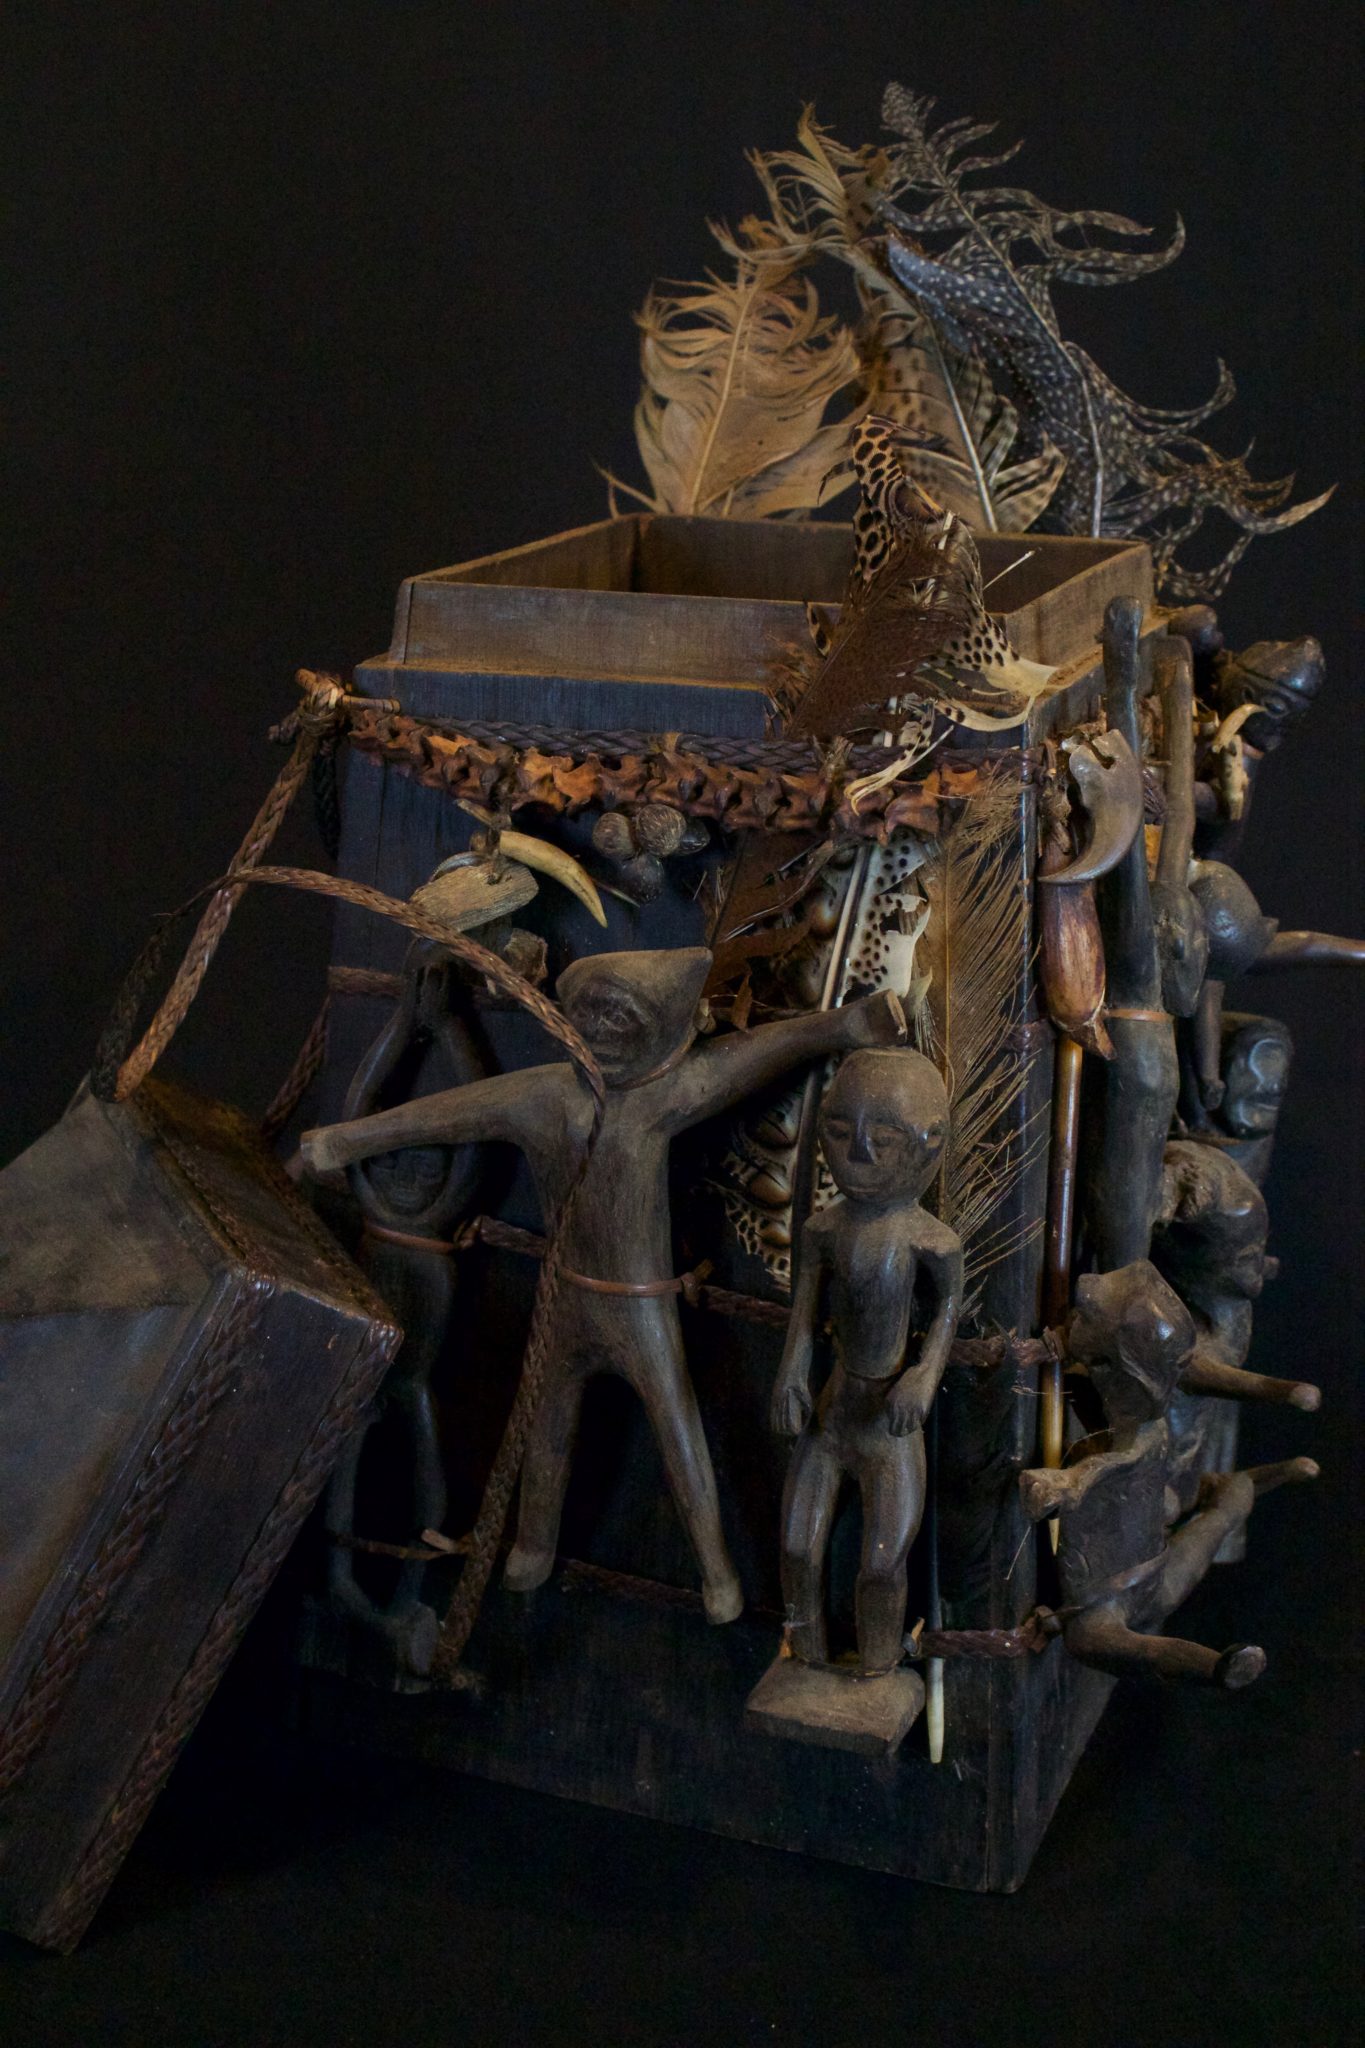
612	836
780	1126
659	829
803	978
1071	950
822	919
772	1188
696	837
643	877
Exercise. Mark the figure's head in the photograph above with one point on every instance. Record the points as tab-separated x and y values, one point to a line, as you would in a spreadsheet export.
1211	1230
883	1125
410	1181
636	1010
1280	677
1182	943
1238	930
1135	1335
1257	1052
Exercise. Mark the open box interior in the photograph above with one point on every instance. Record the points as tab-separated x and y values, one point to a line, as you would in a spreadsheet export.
781	561
718	600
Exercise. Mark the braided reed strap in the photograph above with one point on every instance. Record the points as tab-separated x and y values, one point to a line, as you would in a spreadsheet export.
296	1083
320	717
116	1072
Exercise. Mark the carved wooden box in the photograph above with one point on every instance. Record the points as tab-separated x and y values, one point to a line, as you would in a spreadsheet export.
608	1685
183	1349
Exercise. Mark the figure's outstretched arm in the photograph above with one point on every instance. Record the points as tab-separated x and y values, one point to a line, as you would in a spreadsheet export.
791	1402
912	1396
1207	1373
731	1068
504	1106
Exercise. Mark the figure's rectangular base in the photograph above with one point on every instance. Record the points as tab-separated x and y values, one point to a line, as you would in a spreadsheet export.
637	1705
835	1709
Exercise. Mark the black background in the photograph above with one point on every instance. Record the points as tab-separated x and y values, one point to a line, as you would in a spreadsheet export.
310	297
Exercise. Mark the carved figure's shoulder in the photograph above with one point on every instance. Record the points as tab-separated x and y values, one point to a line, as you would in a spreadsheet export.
933	1238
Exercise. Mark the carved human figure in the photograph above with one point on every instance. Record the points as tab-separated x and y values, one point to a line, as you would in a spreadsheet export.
1120	1575
411	1201
1264	691
1210	1244
1136	1090
617	1307
1258	1054
1182	939
883	1126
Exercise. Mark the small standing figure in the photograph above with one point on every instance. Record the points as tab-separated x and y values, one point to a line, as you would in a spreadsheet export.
883	1128
617	1310
410	1201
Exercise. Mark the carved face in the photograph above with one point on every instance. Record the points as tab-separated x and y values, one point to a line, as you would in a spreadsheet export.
618	1027
636	1010
1256	1061
408	1182
1135	1334
884	1125
1280	677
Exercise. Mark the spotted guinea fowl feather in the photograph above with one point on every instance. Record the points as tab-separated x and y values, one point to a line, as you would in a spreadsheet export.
888	626
980	260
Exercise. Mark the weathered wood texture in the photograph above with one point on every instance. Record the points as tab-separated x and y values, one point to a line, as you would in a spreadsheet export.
663	625
639	1706
183	1351
712	601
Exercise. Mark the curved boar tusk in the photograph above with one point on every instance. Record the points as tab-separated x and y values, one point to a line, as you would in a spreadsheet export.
1110	784
561	867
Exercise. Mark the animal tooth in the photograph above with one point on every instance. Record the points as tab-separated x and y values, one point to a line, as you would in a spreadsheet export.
561	867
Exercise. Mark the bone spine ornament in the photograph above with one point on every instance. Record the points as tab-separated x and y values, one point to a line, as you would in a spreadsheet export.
617	1310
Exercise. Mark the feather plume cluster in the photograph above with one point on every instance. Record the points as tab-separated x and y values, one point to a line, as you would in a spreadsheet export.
886	629
738	375
957	340
1130	469
980	910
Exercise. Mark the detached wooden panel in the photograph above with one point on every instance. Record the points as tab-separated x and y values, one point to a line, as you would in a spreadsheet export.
183	1351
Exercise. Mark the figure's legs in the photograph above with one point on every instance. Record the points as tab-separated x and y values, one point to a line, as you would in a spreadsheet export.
892	1487
809	1499
412	1400
1226	1500
544	1477
1100	1636
659	1376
